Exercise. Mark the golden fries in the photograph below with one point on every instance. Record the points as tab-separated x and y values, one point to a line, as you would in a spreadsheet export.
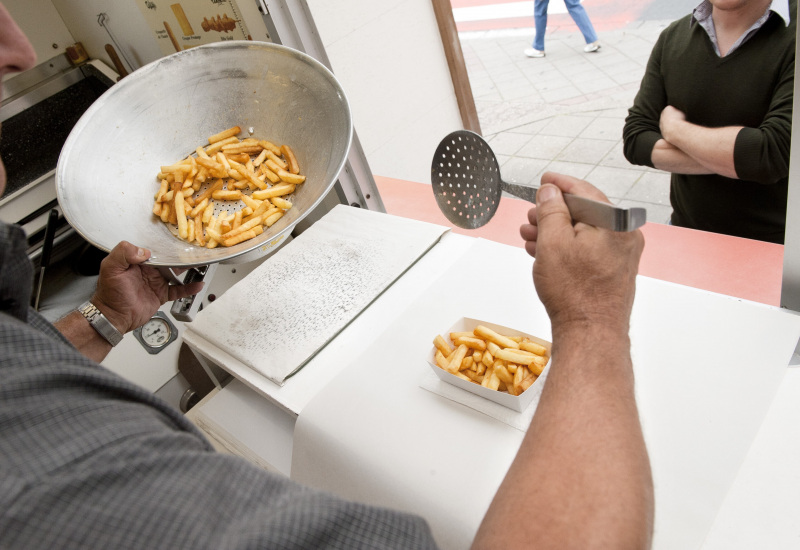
490	359
502	341
224	134
256	174
288	154
442	345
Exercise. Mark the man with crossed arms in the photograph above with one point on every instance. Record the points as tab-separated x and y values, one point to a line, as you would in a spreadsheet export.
715	109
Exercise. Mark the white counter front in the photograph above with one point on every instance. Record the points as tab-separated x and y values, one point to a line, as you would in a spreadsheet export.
708	368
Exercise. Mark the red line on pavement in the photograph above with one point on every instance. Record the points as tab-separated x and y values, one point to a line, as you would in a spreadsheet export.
605	15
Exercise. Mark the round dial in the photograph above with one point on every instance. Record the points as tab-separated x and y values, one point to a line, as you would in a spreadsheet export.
156	332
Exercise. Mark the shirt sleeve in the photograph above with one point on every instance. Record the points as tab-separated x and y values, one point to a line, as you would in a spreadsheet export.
762	154
642	131
90	460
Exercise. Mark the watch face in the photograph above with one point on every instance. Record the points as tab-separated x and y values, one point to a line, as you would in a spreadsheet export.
156	332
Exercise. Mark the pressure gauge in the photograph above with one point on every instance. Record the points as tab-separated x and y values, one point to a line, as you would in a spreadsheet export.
157	333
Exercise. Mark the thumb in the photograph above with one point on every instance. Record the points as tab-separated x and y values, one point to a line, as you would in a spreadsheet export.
126	254
136	255
552	214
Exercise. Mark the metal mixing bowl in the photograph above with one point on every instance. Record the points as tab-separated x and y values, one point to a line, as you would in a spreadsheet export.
106	174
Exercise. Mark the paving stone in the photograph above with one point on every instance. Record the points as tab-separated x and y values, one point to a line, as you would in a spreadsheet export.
565	112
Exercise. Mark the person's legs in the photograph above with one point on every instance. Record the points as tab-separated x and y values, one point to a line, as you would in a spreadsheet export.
540	20
581	18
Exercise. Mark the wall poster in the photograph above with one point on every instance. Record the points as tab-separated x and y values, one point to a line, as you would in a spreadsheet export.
188	23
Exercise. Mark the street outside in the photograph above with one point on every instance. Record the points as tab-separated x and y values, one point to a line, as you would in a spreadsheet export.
565	112
605	14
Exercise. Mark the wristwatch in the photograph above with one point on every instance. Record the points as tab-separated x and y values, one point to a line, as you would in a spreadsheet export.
99	322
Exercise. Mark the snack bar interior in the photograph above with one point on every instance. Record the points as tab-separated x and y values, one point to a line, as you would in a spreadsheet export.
353	334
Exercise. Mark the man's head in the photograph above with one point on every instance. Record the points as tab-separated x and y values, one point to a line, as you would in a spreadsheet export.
16	54
743	6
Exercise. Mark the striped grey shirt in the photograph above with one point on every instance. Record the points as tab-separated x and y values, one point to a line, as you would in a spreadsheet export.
88	460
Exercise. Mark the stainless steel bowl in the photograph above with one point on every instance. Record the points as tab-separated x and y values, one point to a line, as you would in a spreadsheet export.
106	174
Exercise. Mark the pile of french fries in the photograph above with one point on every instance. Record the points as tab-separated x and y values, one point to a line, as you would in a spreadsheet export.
248	178
503	363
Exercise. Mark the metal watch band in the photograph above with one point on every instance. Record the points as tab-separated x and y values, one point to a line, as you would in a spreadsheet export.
99	322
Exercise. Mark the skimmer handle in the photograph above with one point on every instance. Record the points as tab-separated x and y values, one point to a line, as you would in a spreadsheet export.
588	211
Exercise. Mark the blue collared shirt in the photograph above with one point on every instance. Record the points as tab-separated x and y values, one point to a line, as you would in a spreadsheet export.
702	15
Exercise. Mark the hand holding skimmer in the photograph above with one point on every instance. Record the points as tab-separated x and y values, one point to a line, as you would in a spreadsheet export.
466	182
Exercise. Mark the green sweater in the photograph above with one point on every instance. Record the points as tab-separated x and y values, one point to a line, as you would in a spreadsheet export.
752	87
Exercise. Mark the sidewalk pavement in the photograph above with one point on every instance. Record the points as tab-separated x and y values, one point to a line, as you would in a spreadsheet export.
565	112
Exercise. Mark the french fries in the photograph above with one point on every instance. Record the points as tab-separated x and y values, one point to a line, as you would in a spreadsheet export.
228	191
492	360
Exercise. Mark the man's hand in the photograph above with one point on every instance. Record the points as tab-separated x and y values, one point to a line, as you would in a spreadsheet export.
670	121
669	158
582	274
129	293
711	148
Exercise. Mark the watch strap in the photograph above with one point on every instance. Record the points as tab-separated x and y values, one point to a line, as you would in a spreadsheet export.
100	323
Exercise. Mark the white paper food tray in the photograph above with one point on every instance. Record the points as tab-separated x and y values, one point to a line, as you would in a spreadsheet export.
515	402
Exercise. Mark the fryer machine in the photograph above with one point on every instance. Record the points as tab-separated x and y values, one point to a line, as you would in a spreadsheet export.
39	110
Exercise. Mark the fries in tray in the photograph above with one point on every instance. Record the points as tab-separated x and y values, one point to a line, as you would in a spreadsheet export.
492	361
228	191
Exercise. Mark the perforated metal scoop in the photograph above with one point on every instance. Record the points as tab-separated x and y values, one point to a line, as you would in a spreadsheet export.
467	185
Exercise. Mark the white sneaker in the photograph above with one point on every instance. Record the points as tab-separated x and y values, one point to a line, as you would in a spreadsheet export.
593	47
532	52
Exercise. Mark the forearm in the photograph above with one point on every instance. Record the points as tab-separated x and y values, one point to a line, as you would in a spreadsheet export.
669	158
86	339
581	478
711	148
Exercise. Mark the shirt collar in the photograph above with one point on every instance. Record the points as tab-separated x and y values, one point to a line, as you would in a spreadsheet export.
780	7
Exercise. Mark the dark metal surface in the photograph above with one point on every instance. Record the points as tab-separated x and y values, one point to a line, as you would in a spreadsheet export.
35	136
47	249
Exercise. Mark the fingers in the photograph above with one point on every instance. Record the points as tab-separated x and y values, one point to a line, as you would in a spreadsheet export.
530	232
552	214
161	286
176	292
125	254
530	248
574	186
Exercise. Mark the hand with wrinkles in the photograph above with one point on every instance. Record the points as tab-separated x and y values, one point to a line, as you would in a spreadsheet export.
582	273
128	293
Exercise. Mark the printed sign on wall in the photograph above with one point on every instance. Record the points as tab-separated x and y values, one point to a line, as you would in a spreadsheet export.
182	25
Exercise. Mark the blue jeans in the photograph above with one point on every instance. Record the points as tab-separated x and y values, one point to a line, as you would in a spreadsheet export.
575	10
